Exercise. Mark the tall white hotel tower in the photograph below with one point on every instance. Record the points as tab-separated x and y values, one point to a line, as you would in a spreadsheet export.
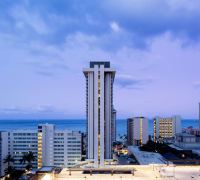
100	112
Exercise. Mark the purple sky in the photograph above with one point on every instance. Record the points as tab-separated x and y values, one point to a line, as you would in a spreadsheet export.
153	45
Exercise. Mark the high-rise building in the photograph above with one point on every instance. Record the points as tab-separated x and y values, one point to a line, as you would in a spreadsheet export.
4	149
114	117
166	128
99	111
60	148
137	131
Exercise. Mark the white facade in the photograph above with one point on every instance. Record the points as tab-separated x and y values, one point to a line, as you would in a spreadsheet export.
187	141
58	148
166	128
45	145
67	148
22	141
3	151
50	147
99	109
114	116
137	131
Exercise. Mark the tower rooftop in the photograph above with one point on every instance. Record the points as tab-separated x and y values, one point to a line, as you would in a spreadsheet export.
105	63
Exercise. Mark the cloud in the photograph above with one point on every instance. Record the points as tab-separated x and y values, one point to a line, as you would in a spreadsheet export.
127	81
197	85
140	20
47	67
150	18
45	73
46	109
114	26
43	58
56	39
12	110
40	112
27	110
24	19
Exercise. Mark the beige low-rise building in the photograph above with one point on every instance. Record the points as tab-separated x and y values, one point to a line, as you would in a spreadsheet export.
166	128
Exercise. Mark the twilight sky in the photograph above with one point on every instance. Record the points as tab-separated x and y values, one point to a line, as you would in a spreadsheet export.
154	46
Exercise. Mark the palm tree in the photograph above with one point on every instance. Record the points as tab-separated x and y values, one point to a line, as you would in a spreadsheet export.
28	157
13	174
9	170
23	160
9	159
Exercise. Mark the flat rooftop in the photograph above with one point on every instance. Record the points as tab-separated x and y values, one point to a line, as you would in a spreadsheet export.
46	169
146	158
105	63
141	172
175	147
185	135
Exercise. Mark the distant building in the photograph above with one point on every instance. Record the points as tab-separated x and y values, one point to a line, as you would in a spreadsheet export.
137	131
3	150
166	128
50	147
187	141
199	115
100	112
146	158
191	130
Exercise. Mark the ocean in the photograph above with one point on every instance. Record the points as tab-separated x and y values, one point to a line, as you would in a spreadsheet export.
77	124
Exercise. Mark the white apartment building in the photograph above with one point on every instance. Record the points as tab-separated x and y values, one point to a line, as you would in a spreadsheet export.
51	147
74	149
187	141
137	131
46	145
3	150
21	142
58	148
100	113
166	128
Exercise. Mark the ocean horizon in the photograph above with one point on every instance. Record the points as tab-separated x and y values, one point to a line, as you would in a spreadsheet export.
76	124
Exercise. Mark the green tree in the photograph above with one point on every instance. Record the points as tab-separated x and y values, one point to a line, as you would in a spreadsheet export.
9	171
29	158
9	159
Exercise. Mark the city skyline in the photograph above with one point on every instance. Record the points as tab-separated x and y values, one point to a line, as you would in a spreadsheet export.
45	45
